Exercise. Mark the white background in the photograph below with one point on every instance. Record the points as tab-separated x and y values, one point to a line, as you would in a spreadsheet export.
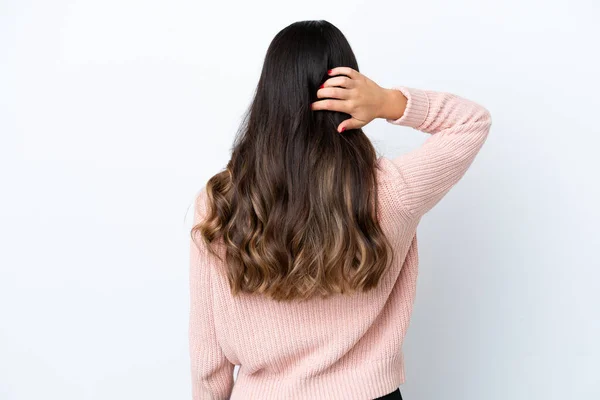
113	114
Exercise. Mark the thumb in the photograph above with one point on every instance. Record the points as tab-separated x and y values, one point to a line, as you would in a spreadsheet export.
351	123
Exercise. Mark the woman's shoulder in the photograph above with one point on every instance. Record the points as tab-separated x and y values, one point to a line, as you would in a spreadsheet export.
389	186
387	170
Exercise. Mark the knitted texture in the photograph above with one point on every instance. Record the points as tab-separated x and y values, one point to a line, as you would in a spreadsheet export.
347	346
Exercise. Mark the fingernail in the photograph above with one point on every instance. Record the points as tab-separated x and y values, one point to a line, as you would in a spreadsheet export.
343	129
322	86
328	71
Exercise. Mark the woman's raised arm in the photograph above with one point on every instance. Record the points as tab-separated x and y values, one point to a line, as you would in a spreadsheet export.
458	129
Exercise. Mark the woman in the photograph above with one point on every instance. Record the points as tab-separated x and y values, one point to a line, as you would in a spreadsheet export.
303	259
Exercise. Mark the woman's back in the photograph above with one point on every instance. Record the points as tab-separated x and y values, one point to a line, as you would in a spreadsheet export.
346	346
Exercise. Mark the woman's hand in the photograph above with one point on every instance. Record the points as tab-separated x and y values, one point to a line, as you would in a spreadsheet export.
353	94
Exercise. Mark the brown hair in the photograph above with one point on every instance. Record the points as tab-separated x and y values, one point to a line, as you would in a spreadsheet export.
296	207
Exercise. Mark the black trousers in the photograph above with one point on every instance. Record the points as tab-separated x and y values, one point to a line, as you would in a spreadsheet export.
395	395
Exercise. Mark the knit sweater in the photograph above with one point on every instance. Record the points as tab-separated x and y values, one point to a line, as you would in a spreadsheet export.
348	346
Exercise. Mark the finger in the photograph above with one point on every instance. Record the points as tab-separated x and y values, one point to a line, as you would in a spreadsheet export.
351	123
331	105
349	72
341	81
334	93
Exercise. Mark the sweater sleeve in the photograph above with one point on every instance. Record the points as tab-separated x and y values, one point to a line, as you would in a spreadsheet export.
458	129
212	372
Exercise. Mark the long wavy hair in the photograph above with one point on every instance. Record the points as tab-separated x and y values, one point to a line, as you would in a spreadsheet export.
296	207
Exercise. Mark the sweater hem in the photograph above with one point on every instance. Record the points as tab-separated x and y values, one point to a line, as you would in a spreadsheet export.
369	381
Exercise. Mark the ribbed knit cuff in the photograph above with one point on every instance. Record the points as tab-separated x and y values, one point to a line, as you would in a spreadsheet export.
417	107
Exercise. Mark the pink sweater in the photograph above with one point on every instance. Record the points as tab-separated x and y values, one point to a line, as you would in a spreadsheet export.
348	346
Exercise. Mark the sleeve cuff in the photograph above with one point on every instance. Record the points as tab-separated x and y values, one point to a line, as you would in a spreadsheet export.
417	107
